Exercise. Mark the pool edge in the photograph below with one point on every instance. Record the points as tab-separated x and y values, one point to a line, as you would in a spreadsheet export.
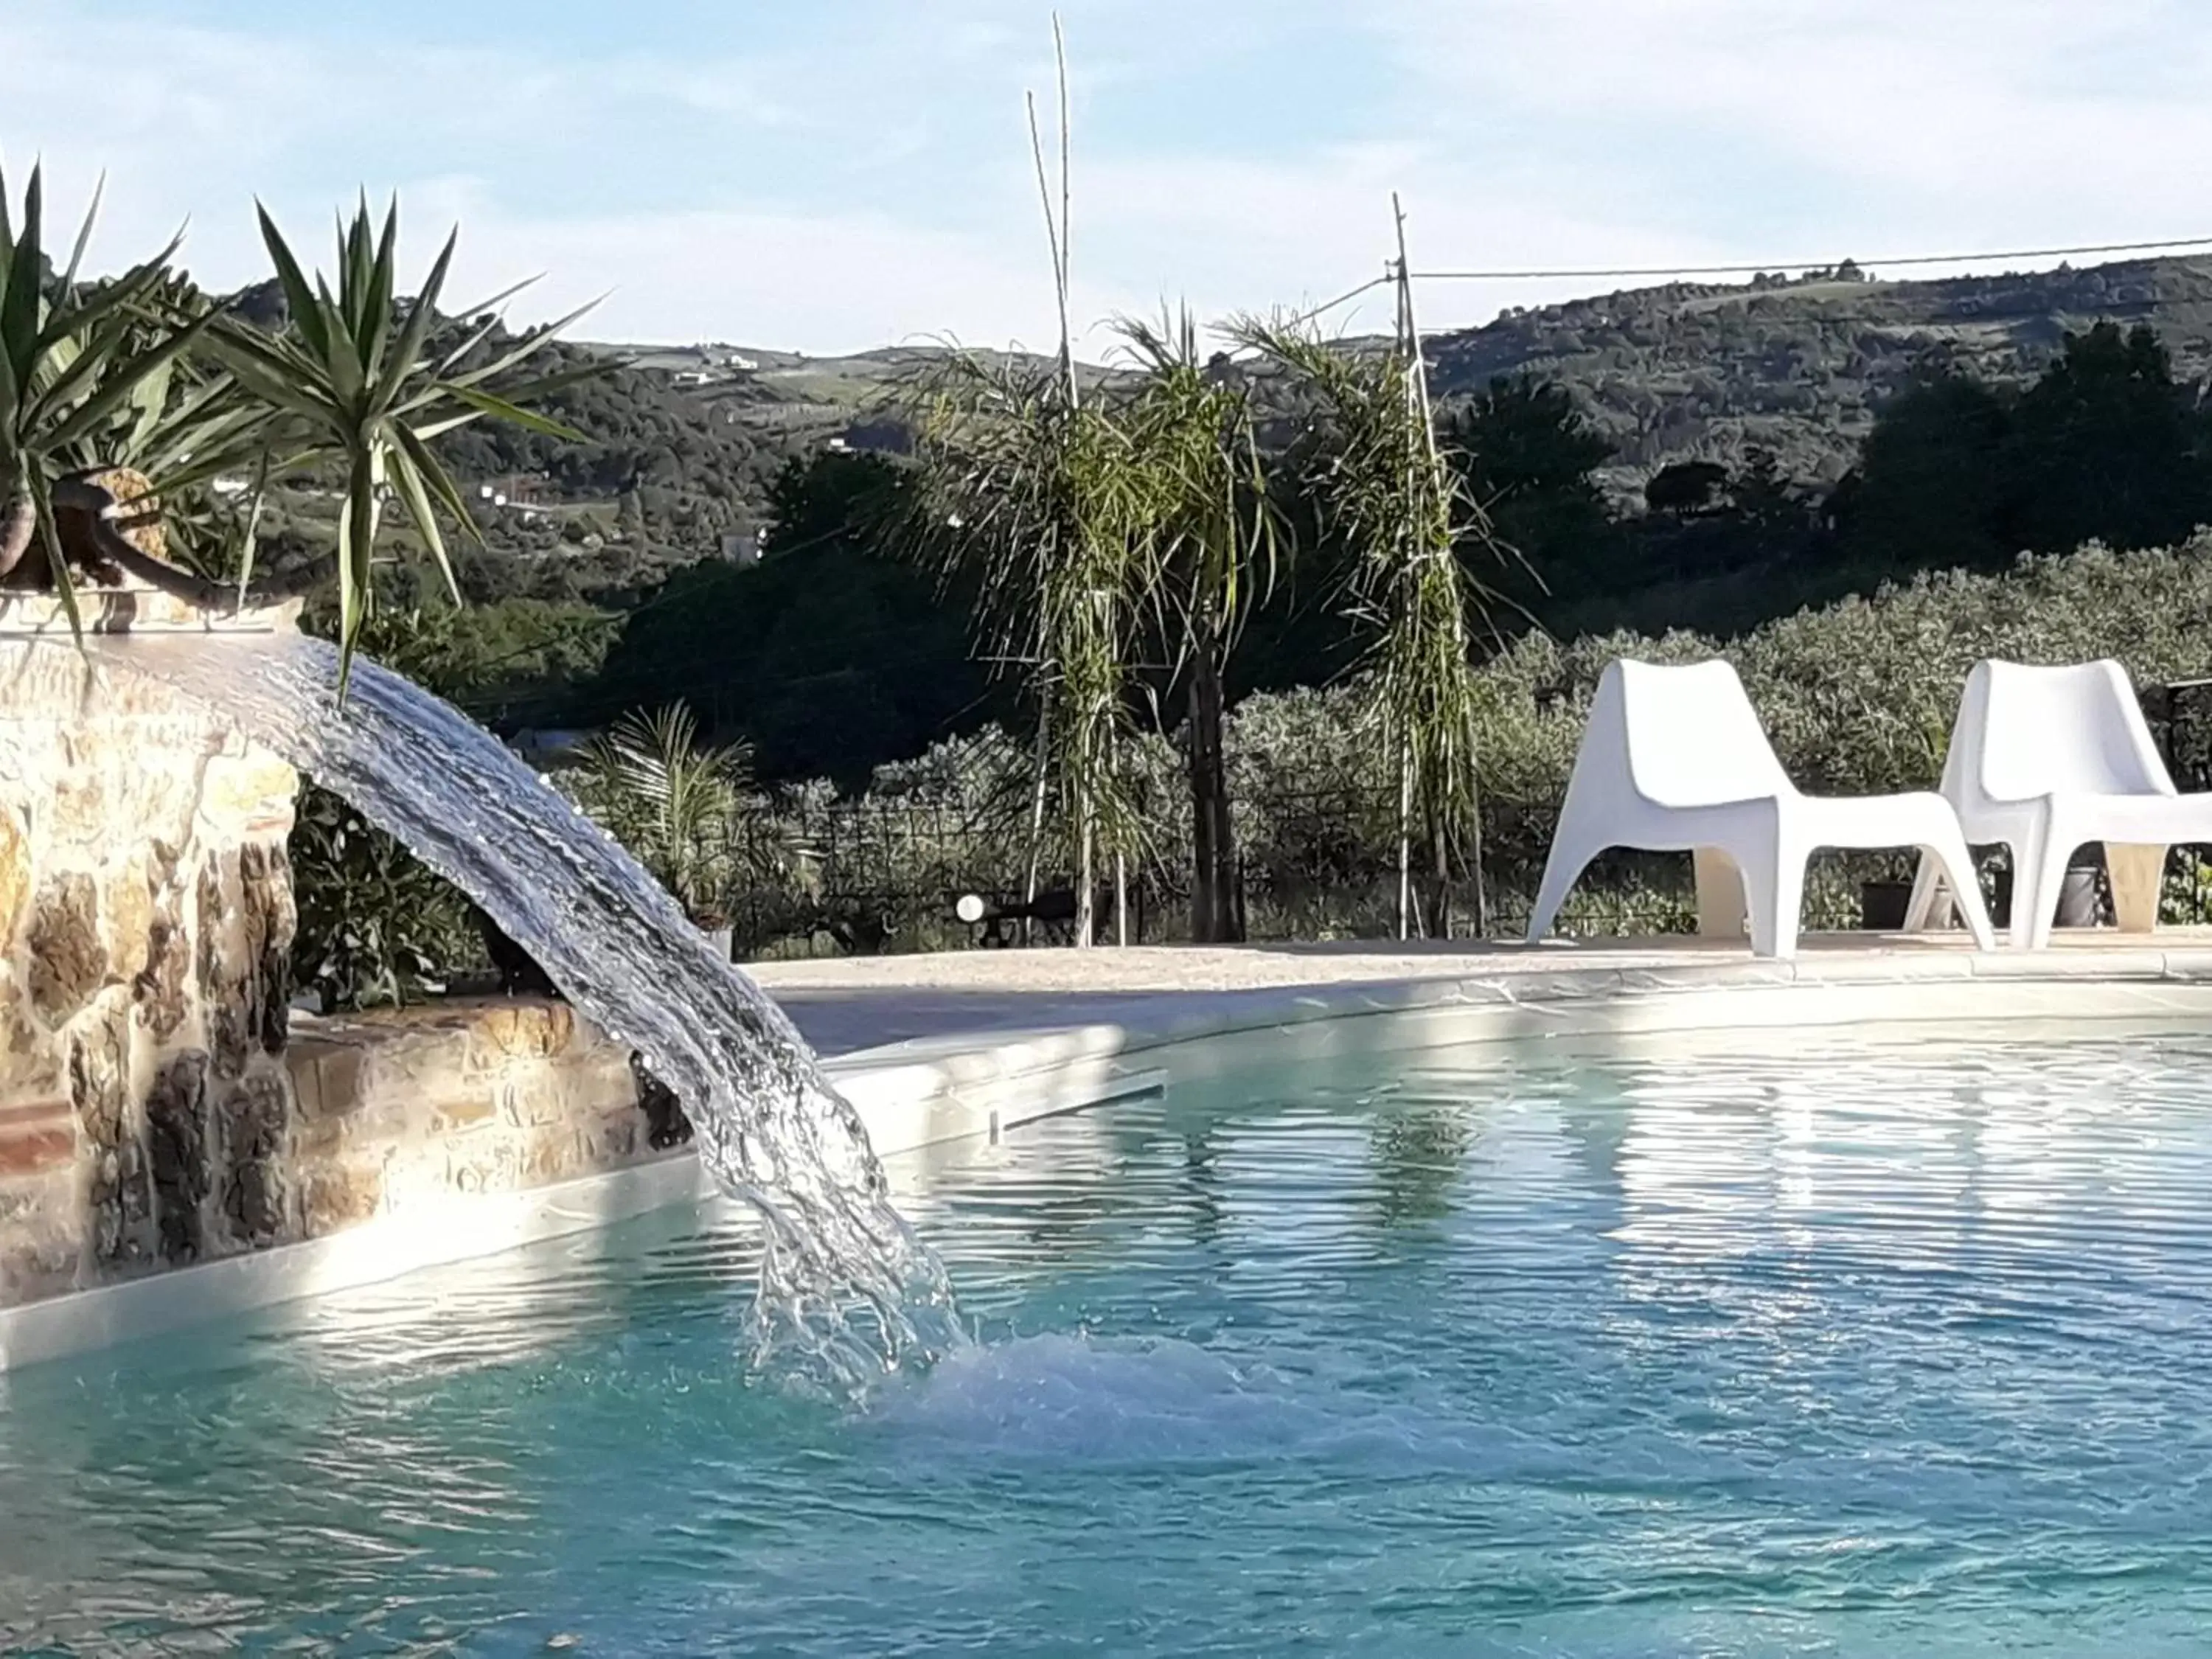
934	1091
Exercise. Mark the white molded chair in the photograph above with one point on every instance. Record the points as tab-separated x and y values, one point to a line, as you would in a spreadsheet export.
1675	760
2046	760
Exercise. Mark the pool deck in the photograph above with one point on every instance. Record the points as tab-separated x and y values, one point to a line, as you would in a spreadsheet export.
849	1007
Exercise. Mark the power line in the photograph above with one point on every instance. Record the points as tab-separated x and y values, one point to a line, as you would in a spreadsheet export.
2171	243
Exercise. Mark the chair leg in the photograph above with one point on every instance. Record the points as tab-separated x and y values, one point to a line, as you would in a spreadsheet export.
1957	862
1774	882
1566	862
2026	857
2053	849
1924	910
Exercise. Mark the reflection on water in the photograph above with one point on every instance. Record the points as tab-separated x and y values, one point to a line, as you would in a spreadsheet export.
1854	1348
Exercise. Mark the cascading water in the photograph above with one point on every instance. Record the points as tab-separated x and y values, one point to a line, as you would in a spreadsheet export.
846	1287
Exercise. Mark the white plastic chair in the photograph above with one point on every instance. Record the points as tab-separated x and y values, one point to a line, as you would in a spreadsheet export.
2046	760
1675	760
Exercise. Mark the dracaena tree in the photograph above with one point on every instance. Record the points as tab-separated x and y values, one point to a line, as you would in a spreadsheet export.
1213	538
75	361
1407	518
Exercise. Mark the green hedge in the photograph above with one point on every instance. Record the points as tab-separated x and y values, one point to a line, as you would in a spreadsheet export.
1858	697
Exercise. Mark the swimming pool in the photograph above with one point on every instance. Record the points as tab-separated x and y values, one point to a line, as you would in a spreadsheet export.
1842	1343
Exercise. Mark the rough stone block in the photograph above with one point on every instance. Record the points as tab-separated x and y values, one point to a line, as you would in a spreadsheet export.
15	875
256	1115
120	1188
249	794
128	912
37	1139
68	961
40	1251
177	1135
327	1077
463	1114
339	1197
30	1060
162	988
522	1029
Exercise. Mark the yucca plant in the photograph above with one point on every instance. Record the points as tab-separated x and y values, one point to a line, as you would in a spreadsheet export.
1385	489
352	382
1214	535
143	373
674	802
73	361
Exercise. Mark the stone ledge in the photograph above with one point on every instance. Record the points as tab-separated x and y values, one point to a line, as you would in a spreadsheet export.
136	611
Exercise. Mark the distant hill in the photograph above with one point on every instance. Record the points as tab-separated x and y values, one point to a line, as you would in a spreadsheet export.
794	396
683	441
1799	366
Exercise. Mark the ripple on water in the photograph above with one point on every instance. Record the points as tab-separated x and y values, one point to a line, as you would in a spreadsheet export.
1848	1349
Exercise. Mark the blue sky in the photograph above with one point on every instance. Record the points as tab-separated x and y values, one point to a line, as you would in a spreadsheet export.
833	174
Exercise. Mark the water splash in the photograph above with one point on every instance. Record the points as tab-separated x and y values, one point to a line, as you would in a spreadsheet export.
847	1290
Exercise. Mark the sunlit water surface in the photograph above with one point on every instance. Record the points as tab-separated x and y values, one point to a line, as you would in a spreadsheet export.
1902	1349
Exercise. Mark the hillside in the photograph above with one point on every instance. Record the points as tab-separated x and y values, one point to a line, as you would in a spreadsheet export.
683	441
1798	367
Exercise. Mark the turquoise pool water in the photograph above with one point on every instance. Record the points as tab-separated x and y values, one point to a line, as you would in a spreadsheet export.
1793	1348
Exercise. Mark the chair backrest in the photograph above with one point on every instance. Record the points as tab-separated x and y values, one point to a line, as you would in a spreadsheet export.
1687	736
2026	730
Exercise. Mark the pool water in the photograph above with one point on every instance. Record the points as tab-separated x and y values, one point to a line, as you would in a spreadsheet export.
1800	1347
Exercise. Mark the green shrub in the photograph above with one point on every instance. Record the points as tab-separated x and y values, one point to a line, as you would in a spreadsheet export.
377	926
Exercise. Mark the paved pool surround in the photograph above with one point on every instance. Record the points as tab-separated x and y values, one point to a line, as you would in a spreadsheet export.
472	1129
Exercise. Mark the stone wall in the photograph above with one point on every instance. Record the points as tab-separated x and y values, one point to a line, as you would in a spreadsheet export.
153	1112
403	1110
145	923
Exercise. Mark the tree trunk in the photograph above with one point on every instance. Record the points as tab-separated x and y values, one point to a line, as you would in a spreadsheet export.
1474	863
1404	841
1120	870
1086	879
1036	829
1439	899
1213	909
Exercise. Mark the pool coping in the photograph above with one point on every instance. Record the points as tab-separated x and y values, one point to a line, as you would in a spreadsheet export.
937	1092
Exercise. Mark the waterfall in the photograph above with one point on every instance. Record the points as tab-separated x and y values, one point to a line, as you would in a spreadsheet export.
846	1287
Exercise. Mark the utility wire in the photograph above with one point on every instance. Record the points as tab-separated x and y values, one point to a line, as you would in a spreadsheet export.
2172	244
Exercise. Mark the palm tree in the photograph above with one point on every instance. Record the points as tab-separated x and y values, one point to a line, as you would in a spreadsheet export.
1384	488
674	802
1214	542
352	381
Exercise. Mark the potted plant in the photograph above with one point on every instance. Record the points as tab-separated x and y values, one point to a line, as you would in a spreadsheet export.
1917	762
2080	893
674	802
1882	905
